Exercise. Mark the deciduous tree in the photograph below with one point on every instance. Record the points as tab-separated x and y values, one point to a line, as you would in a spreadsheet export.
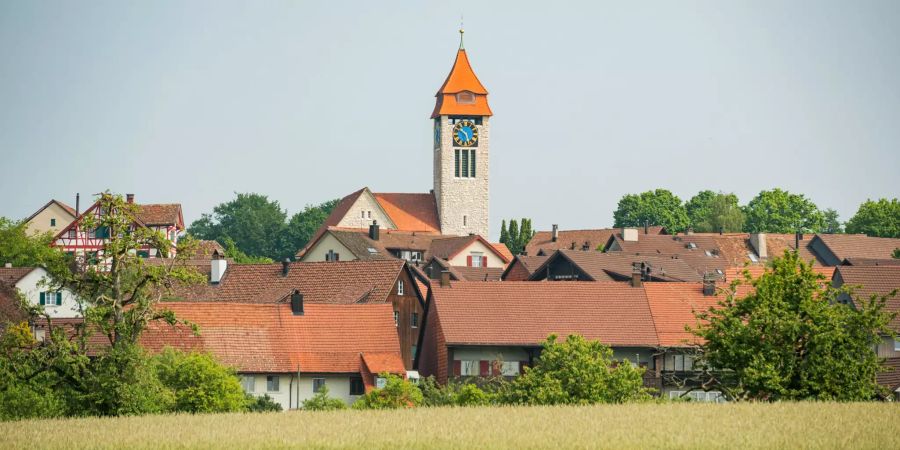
655	208
779	211
710	212
879	218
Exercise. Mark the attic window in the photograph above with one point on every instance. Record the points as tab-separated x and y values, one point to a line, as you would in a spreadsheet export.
691	245
708	253
752	257
719	271
465	98
372	251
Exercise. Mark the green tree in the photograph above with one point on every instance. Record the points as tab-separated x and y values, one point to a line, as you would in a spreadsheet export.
453	394
322	402
656	208
896	253
525	235
779	211
302	226
263	403
710	212
239	257
512	238
504	235
791	339
397	393
200	384
22	249
880	218
253	221
576	372
832	222
21	397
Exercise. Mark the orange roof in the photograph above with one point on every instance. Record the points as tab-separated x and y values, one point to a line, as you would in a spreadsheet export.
503	250
461	79
411	212
673	306
268	338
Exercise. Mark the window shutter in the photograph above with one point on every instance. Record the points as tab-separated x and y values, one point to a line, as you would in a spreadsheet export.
43	298
484	261
485	368
469	260
58	298
457	368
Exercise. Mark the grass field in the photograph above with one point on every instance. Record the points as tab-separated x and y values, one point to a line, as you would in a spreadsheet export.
793	425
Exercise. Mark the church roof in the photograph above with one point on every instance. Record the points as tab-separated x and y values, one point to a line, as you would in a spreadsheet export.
411	212
461	79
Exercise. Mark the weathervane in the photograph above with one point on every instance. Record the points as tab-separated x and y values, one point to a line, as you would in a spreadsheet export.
461	31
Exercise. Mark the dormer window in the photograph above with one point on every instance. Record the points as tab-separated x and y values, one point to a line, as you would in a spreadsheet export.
465	98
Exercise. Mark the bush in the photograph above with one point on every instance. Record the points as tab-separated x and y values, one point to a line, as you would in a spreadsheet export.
262	404
578	372
122	382
199	383
453	394
322	402
397	393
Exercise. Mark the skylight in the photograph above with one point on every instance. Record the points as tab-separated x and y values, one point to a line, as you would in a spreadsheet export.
372	250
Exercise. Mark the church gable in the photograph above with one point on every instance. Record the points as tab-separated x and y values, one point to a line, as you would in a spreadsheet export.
363	211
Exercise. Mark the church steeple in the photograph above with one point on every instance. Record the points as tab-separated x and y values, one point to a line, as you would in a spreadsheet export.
462	93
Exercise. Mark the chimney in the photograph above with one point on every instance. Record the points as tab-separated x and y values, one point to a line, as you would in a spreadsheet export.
690	231
798	236
630	234
554	235
646	227
709	284
758	242
77	204
297	303
374	230
636	275
8	265
217	267
285	266
586	246
445	278
129	198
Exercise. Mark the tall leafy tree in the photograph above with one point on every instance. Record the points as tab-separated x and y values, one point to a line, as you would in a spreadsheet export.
659	207
302	226
880	218
712	212
512	241
790	338
779	211
22	249
254	222
832	222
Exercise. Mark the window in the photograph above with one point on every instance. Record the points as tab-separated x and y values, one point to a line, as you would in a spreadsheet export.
464	163
396	318
399	287
356	386
101	232
248	382
413	352
318	384
477	259
72	233
362	214
369	214
465	98
50	298
465	220
52	222
469	368
897	345
143	254
509	368
414	320
272	382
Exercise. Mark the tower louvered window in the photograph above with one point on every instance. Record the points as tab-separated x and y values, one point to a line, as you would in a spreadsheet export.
464	163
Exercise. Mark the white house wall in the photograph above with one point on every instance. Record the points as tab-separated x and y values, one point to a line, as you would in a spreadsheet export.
477	246
30	286
338	387
321	248
40	223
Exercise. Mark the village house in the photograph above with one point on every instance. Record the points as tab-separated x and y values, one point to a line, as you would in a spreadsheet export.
52	217
86	244
388	281
544	243
522	267
479	329
33	283
576	265
292	349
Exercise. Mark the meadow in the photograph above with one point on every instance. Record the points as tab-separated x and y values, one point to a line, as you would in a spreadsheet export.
677	425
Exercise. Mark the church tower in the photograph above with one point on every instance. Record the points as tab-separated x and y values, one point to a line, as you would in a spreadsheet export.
461	142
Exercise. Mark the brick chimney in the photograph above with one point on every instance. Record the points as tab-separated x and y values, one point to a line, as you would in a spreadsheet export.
297	303
285	267
709	284
129	198
636	275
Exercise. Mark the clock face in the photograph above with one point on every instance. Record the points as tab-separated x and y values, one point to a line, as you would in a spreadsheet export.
465	134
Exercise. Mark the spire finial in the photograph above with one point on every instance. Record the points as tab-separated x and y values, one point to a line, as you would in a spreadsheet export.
461	31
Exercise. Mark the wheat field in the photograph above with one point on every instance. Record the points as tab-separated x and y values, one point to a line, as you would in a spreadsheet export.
679	425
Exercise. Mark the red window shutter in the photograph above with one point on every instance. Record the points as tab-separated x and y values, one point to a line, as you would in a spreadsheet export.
469	261
485	368
484	261
457	368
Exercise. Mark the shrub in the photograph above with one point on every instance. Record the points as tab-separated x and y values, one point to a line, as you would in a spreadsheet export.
199	383
397	393
576	371
322	402
263	403
453	394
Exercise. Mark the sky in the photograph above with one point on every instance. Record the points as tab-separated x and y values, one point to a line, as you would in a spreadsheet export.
190	102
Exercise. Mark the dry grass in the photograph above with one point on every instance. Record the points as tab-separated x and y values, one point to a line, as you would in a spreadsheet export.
790	425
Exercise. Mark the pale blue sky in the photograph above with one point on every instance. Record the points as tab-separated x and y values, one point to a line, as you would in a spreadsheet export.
190	101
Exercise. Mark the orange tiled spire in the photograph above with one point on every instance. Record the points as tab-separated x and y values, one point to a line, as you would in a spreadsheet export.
461	80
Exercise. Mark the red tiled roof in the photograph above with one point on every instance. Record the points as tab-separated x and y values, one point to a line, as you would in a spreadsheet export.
465	273
383	362
733	273
543	240
461	78
673	306
62	205
448	247
411	212
270	339
503	250
341	282
160	214
12	275
874	280
618	265
333	219
525	313
206	248
891	377
859	246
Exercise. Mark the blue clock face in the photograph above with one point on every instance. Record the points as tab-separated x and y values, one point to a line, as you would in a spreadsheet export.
465	134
